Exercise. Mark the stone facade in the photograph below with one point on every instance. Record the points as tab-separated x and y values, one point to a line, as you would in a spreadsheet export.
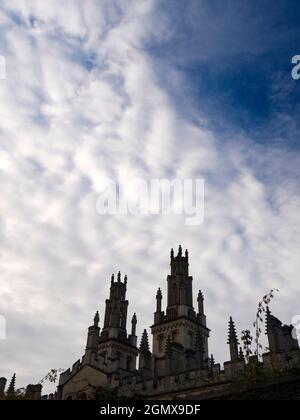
179	365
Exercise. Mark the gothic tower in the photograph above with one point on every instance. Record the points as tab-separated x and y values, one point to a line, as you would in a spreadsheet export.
116	347
179	324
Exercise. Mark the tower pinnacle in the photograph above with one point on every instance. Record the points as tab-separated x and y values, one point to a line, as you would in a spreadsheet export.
233	341
96	319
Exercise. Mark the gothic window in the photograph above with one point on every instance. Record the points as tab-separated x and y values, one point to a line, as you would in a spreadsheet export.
160	343
121	318
191	339
128	363
174	294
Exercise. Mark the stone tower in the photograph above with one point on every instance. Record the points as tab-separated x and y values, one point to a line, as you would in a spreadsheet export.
179	324
115	345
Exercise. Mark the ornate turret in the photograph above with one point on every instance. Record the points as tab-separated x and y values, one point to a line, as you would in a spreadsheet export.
116	347
116	310
180	295
180	320
179	264
233	342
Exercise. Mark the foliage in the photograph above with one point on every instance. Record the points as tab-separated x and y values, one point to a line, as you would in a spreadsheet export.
51	376
247	342
257	324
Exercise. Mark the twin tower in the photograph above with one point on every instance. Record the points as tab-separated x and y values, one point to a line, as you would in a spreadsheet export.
179	327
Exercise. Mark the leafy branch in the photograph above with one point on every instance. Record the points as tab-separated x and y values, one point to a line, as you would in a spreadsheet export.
51	376
257	324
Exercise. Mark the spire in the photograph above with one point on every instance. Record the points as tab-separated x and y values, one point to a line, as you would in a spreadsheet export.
180	251
119	277
232	337
159	294
172	254
11	389
125	279
233	342
112	279
186	254
96	319
144	346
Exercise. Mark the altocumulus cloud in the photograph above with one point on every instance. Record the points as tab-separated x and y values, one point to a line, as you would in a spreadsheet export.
82	101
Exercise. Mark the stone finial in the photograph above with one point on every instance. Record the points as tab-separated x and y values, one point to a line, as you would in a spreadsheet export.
186	254
112	278
133	325
96	319
134	319
125	279
200	296
172	254
144	346
241	355
159	294
119	277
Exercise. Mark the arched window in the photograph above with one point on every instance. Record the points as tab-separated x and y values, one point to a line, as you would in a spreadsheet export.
160	343
128	363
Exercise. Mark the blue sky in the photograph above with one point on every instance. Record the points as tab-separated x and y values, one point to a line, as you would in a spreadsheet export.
149	89
235	56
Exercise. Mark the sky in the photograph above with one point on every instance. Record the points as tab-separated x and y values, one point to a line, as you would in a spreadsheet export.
149	89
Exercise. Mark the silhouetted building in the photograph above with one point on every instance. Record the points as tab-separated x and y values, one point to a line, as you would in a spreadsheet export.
180	363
